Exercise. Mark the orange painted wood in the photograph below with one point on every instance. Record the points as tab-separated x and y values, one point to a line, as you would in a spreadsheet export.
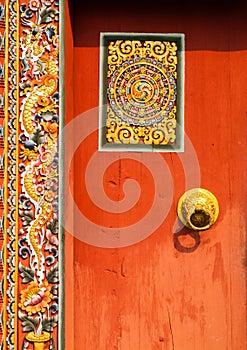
151	295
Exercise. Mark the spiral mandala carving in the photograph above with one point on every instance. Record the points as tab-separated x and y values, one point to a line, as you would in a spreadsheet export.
141	92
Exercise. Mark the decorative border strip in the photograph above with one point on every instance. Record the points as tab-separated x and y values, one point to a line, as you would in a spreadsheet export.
2	93
30	113
10	177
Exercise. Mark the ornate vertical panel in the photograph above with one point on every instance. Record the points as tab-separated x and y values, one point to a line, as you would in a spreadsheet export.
11	176
2	57
31	121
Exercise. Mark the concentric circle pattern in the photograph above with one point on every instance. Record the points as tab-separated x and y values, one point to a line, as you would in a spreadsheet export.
142	91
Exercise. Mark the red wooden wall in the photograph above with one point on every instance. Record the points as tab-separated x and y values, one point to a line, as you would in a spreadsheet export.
152	295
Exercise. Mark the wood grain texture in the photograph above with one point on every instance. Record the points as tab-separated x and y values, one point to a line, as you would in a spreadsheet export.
151	295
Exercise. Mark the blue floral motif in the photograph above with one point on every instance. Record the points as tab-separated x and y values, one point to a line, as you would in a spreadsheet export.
25	66
1	71
1	11
50	32
26	12
47	2
50	2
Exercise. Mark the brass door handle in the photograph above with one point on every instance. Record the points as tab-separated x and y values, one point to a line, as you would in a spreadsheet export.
198	209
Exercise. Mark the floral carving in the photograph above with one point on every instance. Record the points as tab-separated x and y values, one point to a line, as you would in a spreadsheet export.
35	298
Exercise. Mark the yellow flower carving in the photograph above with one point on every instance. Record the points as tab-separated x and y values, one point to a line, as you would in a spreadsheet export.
34	5
28	154
35	298
52	129
49	196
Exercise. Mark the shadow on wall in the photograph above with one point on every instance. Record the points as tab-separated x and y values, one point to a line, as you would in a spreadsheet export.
207	24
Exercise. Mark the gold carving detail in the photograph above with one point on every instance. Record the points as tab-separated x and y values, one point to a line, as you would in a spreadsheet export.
123	50
158	134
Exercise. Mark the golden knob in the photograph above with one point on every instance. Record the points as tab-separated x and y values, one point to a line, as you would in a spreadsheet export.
198	209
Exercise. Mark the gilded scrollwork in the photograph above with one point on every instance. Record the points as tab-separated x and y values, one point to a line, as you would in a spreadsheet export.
158	134
120	51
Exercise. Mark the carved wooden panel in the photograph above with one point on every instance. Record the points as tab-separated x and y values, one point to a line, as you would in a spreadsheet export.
141	91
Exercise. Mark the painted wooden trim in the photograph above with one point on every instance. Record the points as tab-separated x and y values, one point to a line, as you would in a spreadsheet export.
30	287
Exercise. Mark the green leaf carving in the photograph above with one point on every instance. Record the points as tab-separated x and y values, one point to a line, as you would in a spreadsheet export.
26	274
25	345
54	290
26	216
29	324
37	137
52	345
49	323
46	15
52	275
52	226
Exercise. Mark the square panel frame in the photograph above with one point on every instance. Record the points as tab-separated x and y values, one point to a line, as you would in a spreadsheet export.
103	145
